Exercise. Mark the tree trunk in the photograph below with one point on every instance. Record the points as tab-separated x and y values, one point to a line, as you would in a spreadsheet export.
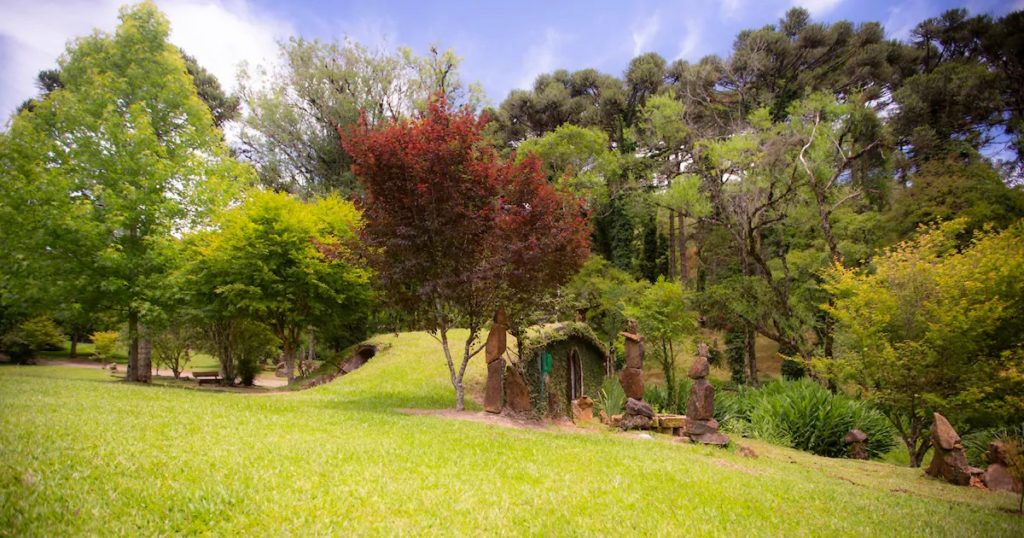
289	359
460	397
132	373
670	378
750	341
828	336
684	257
74	344
671	245
145	368
915	460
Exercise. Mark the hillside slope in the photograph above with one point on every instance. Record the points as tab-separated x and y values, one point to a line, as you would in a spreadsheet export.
82	454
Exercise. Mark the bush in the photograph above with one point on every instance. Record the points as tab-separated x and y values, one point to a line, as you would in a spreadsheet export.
31	336
792	369
171	348
657	397
104	343
248	367
806	416
15	347
976	443
41	333
612	399
682	395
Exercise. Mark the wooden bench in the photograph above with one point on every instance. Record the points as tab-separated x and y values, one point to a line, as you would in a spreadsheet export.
207	377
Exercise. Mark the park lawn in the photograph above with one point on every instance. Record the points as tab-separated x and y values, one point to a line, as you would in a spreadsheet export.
86	352
82	454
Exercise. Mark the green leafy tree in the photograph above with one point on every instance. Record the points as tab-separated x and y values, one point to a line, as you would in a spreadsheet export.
294	113
933	327
279	261
601	293
105	170
665	317
944	189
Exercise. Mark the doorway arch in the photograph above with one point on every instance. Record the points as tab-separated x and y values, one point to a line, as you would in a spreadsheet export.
575	377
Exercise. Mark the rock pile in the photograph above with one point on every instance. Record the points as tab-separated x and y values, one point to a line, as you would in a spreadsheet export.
948	460
638	413
493	351
583	409
858	442
997	474
699	424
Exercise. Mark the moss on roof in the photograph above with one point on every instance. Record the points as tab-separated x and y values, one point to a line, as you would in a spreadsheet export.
539	336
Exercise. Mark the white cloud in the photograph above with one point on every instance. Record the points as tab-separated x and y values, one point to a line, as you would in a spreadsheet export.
731	8
540	58
219	33
644	32
690	46
817	7
905	17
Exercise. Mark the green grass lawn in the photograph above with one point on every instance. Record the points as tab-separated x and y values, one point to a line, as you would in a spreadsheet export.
81	454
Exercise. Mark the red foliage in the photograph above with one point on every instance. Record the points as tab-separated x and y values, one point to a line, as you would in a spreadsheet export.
452	226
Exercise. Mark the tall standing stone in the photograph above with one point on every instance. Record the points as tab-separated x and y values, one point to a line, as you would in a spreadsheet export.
493	351
700	425
632	380
632	376
949	461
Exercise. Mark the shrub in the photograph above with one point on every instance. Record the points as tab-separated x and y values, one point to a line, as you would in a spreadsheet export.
41	333
171	348
682	395
104	343
248	367
657	397
806	416
15	347
976	443
792	369
31	336
612	399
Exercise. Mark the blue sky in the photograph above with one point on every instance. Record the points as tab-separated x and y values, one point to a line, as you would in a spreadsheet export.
504	44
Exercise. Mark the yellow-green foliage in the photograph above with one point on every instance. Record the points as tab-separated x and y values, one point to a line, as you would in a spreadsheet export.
935	325
343	459
41	333
105	342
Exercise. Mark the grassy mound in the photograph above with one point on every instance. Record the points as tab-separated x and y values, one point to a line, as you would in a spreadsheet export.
81	454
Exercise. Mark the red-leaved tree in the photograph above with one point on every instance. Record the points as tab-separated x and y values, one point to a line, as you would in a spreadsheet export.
454	231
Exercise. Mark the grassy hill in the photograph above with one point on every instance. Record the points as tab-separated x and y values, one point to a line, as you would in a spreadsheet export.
82	454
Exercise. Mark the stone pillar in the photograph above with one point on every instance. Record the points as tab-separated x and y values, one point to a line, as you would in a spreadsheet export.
632	376
949	461
493	351
700	425
638	414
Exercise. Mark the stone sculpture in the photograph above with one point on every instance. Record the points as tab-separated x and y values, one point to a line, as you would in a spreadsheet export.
493	351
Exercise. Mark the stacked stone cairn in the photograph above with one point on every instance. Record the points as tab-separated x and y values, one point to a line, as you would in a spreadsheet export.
493	351
638	414
949	461
858	444
699	424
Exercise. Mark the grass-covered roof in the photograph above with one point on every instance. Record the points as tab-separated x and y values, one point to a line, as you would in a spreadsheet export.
539	336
